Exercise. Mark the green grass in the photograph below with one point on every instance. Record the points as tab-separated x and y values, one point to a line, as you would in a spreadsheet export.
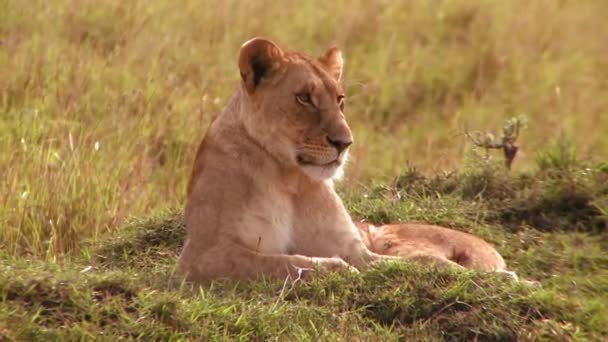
124	286
391	302
103	103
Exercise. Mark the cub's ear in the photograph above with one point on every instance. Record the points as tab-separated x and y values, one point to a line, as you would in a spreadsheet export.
333	62
258	59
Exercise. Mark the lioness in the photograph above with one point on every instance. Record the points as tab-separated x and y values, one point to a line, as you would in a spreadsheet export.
261	199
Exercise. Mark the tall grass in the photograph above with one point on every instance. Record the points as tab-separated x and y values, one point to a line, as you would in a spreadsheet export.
102	103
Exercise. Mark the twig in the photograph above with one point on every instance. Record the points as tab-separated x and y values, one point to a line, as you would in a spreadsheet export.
440	311
510	133
282	294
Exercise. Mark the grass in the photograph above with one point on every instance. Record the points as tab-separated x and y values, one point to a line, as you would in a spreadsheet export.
124	288
103	103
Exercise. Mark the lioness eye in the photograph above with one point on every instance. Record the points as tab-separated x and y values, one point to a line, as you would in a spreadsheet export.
304	98
341	99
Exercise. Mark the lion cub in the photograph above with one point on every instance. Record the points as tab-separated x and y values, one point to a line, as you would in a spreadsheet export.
261	200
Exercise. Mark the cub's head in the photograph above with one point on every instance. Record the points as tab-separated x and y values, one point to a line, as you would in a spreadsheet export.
295	107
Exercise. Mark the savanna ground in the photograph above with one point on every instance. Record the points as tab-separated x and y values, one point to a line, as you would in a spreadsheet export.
103	103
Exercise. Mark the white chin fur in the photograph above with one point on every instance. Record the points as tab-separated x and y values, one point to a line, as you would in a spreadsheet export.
322	173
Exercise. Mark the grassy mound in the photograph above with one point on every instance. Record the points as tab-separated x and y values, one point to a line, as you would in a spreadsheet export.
148	242
125	287
392	301
550	200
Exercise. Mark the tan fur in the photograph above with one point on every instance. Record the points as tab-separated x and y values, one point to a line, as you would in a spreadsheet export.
261	200
432	243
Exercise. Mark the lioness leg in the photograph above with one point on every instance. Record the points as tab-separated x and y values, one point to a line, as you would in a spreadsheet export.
343	242
437	259
362	257
233	261
415	240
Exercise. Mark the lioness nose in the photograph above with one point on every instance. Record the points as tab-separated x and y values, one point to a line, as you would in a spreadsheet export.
339	144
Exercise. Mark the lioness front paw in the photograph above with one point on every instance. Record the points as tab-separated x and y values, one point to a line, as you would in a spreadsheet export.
333	264
378	258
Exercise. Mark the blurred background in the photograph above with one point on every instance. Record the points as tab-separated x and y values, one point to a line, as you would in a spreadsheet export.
103	103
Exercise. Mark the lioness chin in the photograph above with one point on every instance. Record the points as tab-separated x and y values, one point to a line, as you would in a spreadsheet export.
261	200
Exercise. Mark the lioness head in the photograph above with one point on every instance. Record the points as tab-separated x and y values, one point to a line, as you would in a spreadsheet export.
296	107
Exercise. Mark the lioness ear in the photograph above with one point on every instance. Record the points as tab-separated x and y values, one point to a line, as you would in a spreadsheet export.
333	62
258	58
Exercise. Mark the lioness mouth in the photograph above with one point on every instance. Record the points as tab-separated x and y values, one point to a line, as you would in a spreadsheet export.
305	162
